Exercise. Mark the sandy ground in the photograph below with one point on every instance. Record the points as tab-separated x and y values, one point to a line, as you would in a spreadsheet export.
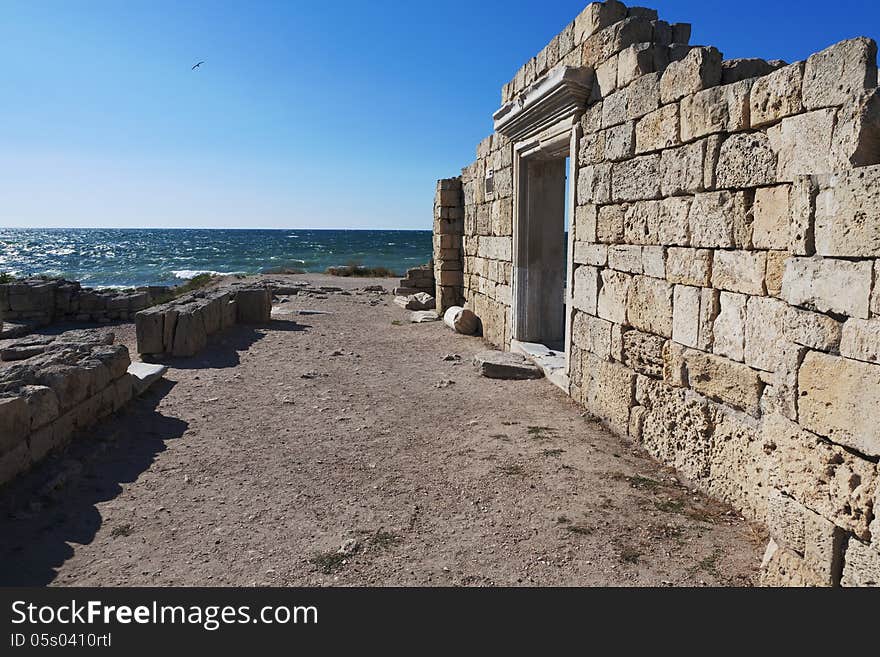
256	461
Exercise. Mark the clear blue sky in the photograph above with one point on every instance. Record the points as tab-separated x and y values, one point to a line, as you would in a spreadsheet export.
305	114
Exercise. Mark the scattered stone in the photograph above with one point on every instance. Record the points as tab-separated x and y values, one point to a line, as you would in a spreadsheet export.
506	365
445	383
452	357
424	316
144	375
349	547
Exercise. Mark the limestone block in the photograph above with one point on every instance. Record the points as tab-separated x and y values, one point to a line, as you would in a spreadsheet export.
772	217
689	266
634	62
710	306
828	285
836	74
715	110
729	327
674	370
825	478
649	305
785	520
813	330
725	381
734	70
211	314
619	142
606	77
643	353
610	394
777	95
765	333
641	222
676	428
254	306
673	228
658	130
611	40
738	464
610	223
502	221
592	334
802	202
594	184
686	315
612	296
586	289
13	462
861	340
43	406
495	248
190	336
596	16
642	96
654	261
70	383
739	271
720	220
114	357
614	108
839	399
775	271
585	223
682	169
617	331
15	422
861	565
586	253
591	121
746	160
856	140
803	144
699	70
625	257
591	149
636	179
848	214
875	297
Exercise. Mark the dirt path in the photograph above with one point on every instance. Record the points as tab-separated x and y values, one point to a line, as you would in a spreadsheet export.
255	461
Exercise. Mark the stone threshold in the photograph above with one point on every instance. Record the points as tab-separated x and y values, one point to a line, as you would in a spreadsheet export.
550	361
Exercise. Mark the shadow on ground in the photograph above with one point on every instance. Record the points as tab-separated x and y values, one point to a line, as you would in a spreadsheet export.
222	350
54	504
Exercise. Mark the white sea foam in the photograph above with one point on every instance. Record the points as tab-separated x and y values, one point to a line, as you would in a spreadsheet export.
188	274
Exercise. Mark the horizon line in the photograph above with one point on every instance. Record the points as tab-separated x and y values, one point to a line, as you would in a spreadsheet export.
386	230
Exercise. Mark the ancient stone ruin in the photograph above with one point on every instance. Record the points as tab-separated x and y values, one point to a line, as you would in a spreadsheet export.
712	273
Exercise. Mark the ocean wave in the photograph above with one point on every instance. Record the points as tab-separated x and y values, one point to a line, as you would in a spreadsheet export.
187	274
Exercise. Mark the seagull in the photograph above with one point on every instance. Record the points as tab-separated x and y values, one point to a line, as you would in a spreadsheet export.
196	66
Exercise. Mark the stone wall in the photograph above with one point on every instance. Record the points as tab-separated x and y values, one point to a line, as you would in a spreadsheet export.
182	327
448	229
43	302
51	397
724	289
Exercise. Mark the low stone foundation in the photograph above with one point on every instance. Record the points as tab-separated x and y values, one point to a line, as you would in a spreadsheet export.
49	398
418	279
182	328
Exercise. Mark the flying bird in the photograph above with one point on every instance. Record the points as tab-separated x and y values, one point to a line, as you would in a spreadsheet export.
195	66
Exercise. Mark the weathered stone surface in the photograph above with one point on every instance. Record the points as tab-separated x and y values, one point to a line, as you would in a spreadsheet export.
590	254
610	394
254	306
654	261
461	320
682	169
734	70
592	334
636	61
636	179
720	220
729	328
586	289
643	353
825	478
699	70
802	201
739	271
613	295
738	464
190	336
585	223
506	365
423	317
803	144
596	16
746	160
641	223
715	110
420	301
14	422
772	218
649	305
642	96
861	565
765	327
785	520
594	184
856	140
13	462
838	73
495	248
839	399
625	257
725	381
619	142
672	221
848	214
658	130
144	376
813	330
775	271
777	95
689	266
676	427
43	405
611	40
610	223
861	340
826	285
686	315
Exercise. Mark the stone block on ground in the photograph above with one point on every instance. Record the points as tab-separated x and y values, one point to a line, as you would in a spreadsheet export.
506	365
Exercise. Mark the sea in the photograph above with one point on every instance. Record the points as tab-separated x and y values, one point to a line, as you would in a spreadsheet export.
103	258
